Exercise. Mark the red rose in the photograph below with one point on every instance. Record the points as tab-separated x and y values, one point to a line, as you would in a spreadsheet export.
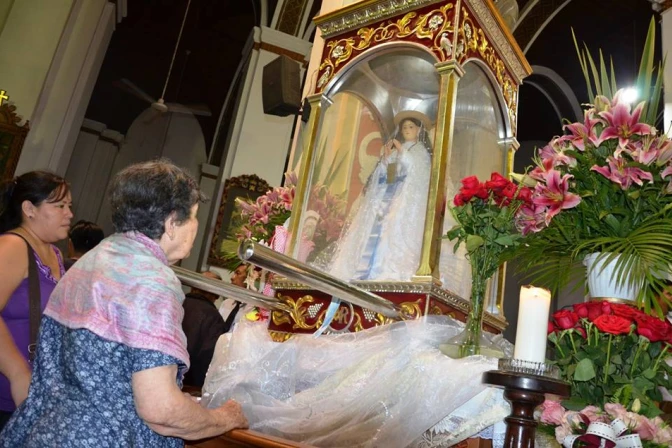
482	192
470	183
606	307
497	182
652	328
581	309
627	311
525	195
594	310
582	332
551	328
565	319
459	200
509	191
613	324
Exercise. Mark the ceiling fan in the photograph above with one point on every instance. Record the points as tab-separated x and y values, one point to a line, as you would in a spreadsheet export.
160	105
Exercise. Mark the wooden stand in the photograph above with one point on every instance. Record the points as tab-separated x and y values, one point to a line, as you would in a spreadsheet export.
525	393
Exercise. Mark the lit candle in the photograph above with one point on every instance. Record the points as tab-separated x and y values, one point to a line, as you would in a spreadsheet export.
532	324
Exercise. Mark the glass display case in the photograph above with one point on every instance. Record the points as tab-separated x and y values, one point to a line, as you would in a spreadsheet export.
408	99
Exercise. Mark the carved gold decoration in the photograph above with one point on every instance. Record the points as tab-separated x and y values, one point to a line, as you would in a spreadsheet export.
279	336
445	296
436	26
410	310
485	12
473	42
298	313
364	13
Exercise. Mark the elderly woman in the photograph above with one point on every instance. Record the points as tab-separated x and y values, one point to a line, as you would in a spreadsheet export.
111	352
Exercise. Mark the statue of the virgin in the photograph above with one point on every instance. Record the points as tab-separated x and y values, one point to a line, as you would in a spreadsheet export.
382	239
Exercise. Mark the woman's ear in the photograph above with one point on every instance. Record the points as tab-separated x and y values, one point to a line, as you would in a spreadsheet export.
28	209
170	226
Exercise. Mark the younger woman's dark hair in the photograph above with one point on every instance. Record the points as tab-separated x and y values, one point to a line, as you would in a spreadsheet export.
34	186
143	195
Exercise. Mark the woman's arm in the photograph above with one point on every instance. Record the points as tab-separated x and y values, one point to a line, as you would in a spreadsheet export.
169	412
13	269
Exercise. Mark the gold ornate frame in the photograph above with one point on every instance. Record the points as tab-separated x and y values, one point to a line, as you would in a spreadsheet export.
249	186
12	137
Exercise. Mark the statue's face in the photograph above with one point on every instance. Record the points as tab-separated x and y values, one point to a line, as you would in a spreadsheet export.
410	131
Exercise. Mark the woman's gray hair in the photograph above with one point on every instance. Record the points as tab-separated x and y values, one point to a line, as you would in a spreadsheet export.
145	194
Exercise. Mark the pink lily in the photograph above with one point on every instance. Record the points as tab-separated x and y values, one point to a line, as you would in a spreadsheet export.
556	154
667	172
539	171
648	150
622	124
618	172
664	152
555	194
530	218
580	133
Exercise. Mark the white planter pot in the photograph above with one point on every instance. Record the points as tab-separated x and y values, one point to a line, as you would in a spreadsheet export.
602	280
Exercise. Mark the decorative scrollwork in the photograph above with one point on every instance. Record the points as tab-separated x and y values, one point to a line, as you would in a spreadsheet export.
279	336
298	313
436	25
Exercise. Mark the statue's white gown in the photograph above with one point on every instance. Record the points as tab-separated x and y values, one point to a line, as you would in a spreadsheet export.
383	238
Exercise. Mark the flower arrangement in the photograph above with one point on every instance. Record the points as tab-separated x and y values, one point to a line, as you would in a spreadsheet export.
485	214
269	210
613	355
605	186
612	423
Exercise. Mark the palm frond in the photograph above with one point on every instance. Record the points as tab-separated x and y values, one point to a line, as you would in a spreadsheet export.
645	74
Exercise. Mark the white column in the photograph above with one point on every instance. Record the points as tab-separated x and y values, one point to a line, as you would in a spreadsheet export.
666	39
67	88
90	168
259	143
81	160
28	43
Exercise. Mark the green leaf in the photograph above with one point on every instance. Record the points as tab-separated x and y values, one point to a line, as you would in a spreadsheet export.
574	404
474	242
649	374
505	240
585	370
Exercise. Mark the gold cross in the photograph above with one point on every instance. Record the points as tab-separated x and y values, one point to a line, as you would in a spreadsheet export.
3	96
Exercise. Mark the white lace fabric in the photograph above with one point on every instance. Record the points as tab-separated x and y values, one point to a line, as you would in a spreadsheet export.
386	387
397	253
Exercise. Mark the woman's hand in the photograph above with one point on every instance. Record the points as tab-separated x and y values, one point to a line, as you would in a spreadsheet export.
232	415
169	412
390	147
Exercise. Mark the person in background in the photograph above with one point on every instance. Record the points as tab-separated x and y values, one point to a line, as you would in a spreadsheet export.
84	236
111	353
203	325
229	309
34	214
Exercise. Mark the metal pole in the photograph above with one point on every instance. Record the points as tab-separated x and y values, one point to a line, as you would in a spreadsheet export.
227	290
266	258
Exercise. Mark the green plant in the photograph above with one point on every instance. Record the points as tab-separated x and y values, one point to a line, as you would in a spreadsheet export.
604	187
611	353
